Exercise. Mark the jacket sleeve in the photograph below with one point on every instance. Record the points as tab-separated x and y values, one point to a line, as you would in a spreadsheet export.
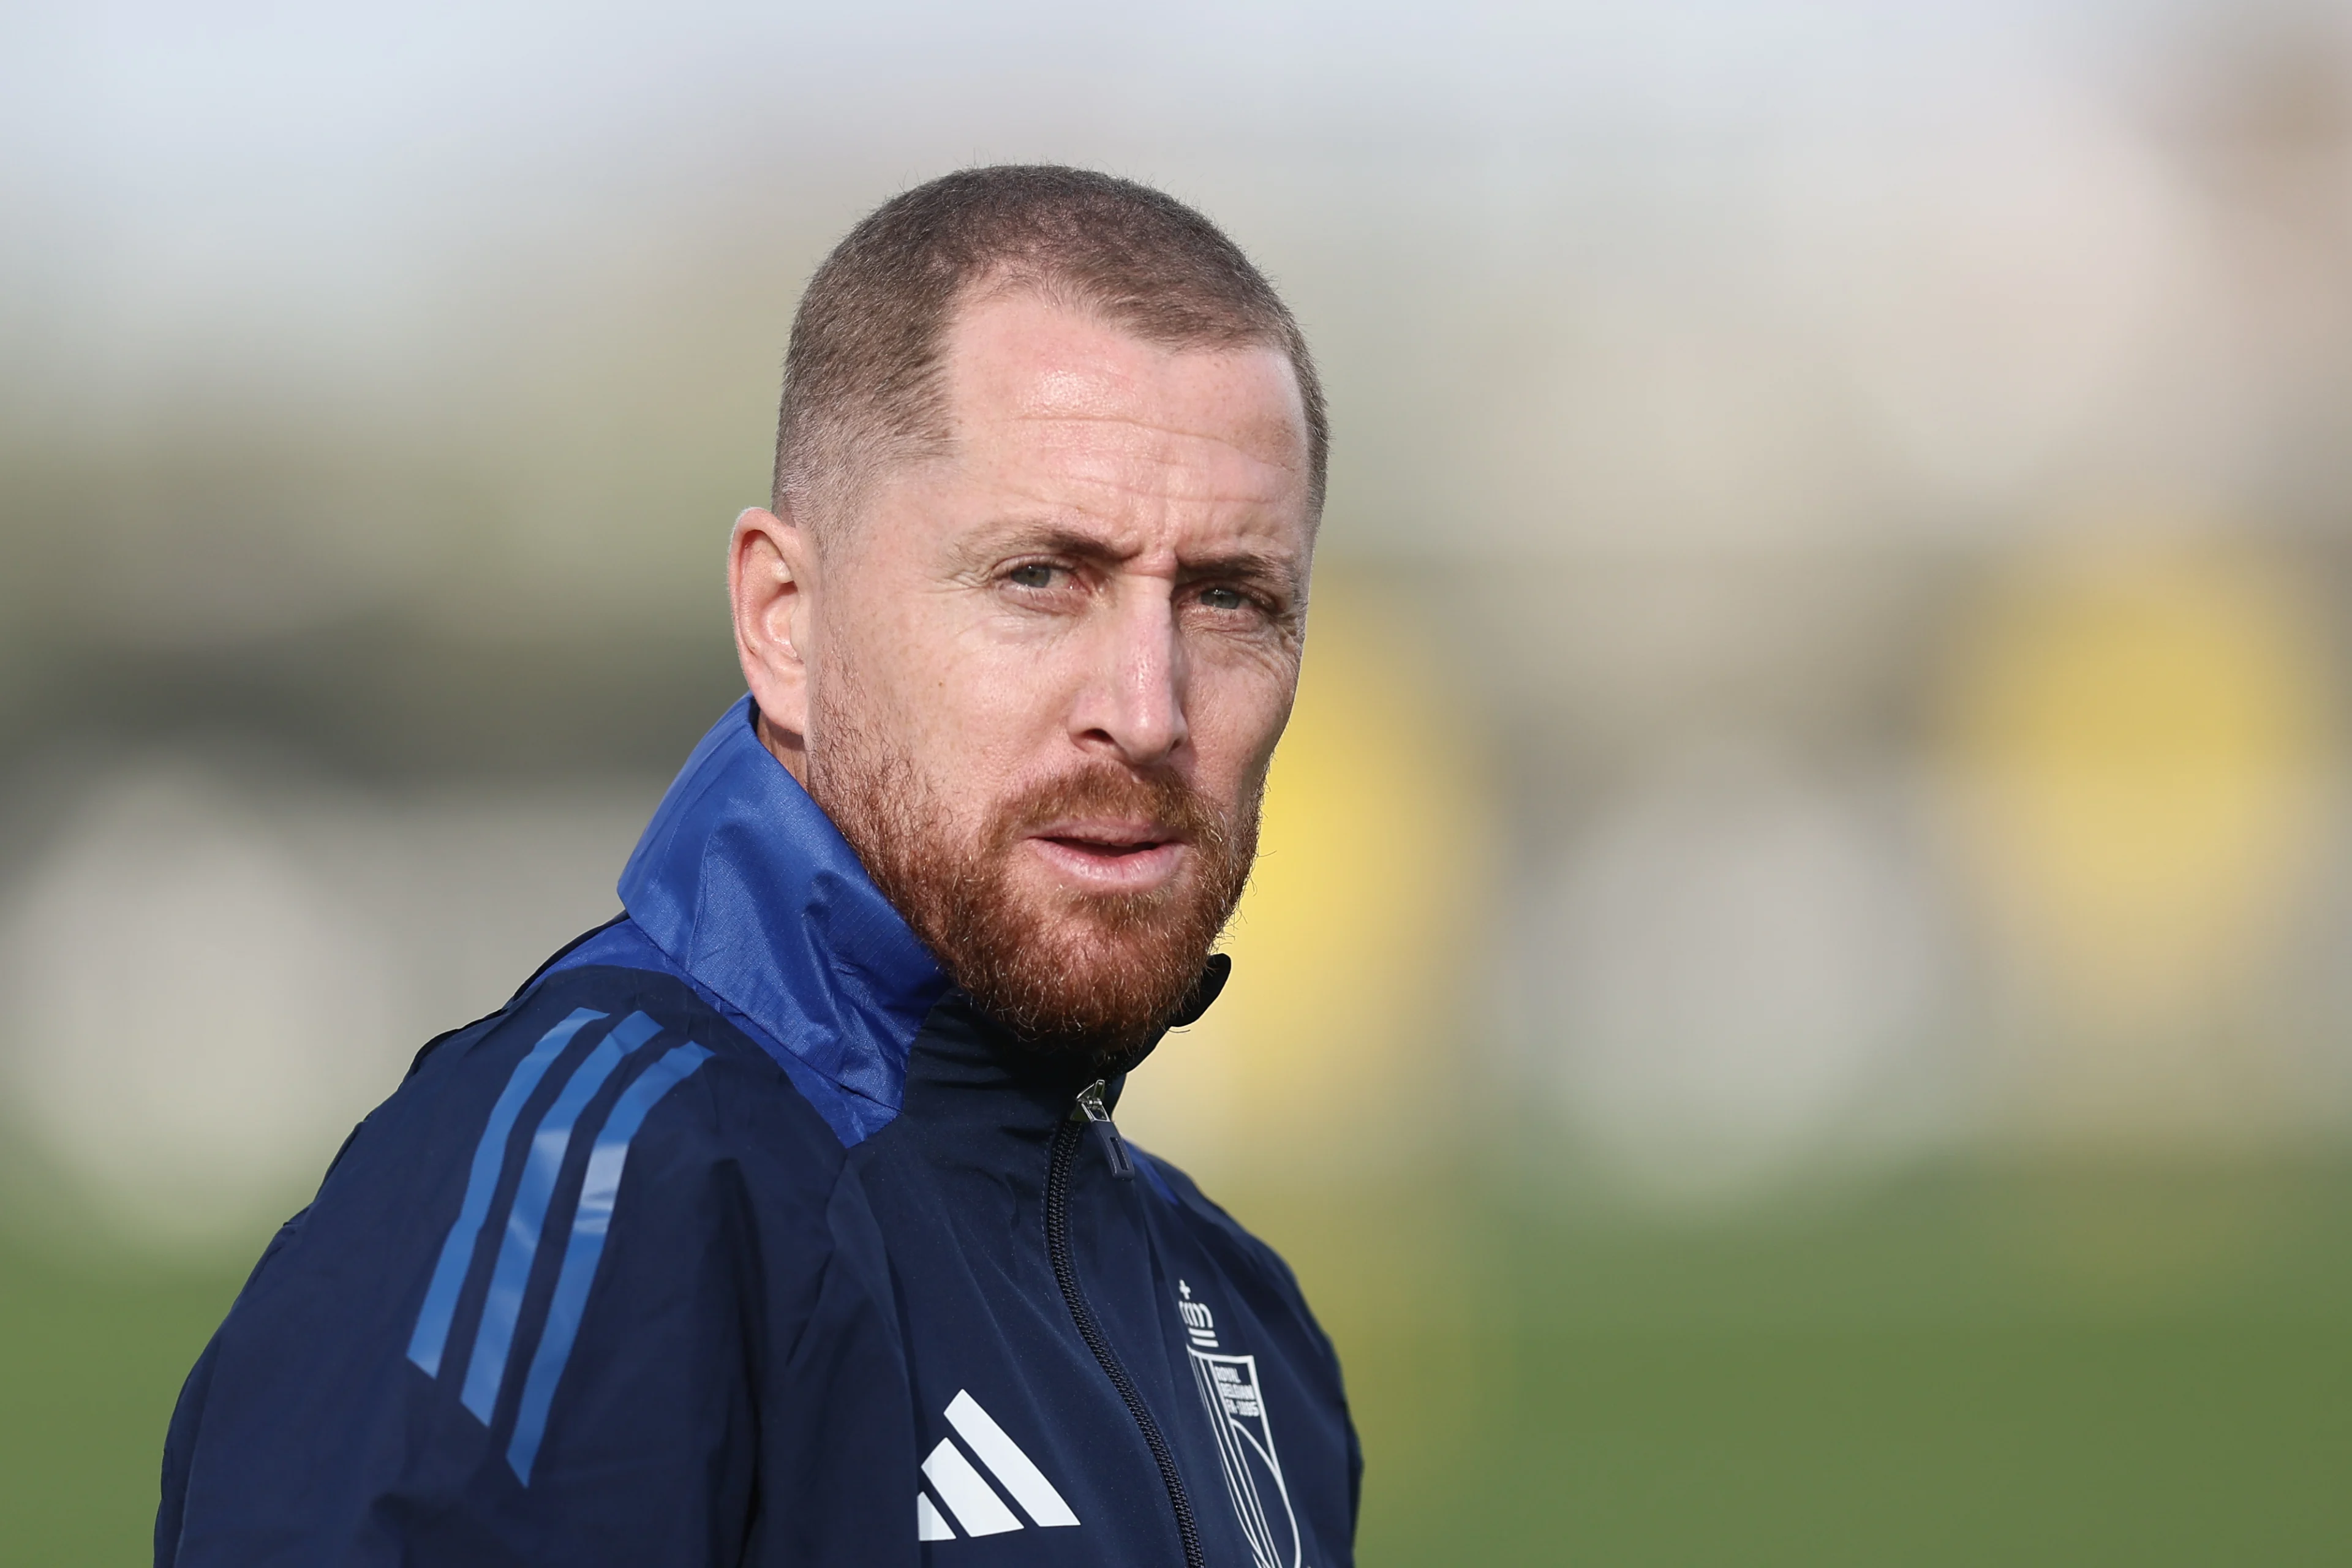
574	1339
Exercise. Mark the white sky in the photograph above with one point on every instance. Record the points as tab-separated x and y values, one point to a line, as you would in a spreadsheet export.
225	134
1948	199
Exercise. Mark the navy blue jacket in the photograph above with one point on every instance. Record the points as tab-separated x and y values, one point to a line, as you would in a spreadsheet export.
739	1237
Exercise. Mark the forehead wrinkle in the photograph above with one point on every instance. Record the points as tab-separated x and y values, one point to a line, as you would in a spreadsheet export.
1103	391
1134	421
1133	496
1234	477
1256	444
1138	443
1254	543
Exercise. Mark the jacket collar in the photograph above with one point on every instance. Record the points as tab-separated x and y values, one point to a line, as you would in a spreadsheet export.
744	883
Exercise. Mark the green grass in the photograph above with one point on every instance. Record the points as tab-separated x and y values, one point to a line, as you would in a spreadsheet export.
2185	1443
2065	1368
90	1360
2069	1368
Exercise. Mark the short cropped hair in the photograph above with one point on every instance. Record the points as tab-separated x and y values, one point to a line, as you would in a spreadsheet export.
862	382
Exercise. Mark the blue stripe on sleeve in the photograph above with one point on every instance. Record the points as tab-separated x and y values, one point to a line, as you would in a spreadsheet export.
432	1333
598	1192
540	1165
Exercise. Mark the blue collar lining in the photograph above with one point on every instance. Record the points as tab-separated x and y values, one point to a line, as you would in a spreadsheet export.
745	884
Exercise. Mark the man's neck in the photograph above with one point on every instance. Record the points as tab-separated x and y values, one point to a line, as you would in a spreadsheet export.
786	747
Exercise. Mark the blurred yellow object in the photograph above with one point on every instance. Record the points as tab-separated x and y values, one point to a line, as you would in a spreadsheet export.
1353	948
2140	735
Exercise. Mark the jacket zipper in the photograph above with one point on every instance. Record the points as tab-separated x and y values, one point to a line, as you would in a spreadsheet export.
1090	1110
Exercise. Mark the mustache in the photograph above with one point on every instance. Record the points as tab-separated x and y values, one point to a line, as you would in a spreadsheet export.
1105	789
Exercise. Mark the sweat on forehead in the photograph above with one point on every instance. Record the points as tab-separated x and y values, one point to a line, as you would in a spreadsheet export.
862	376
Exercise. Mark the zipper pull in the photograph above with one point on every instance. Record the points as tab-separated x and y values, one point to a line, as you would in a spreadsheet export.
1090	1107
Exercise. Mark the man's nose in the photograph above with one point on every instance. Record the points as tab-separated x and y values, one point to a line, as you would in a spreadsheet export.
1133	701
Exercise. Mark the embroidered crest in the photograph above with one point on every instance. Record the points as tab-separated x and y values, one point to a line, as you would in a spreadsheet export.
1235	1402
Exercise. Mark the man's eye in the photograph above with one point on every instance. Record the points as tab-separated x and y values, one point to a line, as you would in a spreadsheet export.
1223	599
1033	574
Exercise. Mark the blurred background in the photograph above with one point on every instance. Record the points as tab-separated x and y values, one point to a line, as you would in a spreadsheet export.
1796	1007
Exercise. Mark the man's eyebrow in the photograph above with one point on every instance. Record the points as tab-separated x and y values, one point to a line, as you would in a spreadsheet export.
1052	539
1256	567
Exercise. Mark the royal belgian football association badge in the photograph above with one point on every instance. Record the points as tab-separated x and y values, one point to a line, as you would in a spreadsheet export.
1236	1407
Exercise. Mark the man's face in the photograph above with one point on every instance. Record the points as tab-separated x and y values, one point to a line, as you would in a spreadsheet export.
1037	680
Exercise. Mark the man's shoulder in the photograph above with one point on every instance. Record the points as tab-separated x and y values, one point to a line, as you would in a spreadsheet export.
612	1027
1237	1248
570	1219
1262	1283
607	1120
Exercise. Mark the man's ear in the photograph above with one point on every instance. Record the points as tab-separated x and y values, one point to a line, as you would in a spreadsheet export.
771	566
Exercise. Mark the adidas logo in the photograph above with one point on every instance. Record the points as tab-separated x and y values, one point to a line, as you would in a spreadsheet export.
957	1482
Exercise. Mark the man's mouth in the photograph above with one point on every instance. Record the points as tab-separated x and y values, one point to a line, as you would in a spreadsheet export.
1113	857
1110	846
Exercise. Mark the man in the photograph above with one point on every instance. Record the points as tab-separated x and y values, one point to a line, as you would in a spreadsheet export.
783	1220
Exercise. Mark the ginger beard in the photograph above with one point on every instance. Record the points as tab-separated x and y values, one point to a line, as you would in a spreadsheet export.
1088	974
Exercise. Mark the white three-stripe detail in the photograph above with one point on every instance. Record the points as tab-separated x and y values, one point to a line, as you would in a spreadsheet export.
973	1502
966	1492
1010	1465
